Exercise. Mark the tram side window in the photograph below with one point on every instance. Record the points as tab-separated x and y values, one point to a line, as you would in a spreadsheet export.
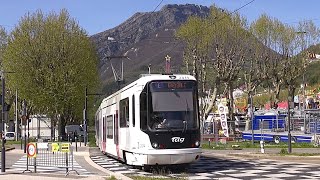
104	129
143	110
133	112
110	127
124	113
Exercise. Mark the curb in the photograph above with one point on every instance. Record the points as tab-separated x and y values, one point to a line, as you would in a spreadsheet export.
93	164
9	148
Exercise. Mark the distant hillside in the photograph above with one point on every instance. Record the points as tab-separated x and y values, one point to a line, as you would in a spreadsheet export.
312	72
146	38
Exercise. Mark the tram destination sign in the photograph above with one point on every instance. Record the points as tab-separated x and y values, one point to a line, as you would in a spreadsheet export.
168	85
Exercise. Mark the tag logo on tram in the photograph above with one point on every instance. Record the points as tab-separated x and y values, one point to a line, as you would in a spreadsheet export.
177	139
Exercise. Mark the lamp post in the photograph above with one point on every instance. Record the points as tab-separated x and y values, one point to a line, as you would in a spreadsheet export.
3	149
85	117
302	33
289	127
251	116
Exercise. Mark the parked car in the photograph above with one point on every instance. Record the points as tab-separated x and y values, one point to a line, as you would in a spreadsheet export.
73	131
10	136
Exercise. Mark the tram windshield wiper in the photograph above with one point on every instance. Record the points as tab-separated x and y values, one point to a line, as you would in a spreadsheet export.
162	124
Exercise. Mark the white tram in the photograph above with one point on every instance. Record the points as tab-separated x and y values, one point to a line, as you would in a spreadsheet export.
152	121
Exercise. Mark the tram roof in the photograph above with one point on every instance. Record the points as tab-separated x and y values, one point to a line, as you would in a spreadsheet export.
144	78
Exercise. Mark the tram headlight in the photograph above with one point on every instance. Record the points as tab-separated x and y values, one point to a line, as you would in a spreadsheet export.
155	145
197	143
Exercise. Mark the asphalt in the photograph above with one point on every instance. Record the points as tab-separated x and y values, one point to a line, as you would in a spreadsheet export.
82	157
301	155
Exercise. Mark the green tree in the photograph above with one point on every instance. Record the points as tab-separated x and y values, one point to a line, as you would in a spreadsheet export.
3	41
53	61
216	48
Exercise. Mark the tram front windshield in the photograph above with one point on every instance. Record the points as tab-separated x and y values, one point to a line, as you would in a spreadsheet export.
172	105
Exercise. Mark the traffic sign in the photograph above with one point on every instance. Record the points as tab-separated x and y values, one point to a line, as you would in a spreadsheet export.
55	147
65	147
31	150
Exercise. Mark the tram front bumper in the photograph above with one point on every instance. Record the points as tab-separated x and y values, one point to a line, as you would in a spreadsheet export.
160	159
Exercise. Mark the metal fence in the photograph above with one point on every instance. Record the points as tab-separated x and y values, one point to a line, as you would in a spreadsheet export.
50	154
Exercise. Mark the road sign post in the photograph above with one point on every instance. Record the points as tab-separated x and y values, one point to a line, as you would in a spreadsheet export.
3	149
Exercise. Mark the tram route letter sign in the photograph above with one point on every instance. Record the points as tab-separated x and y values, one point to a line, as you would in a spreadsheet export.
55	147
65	147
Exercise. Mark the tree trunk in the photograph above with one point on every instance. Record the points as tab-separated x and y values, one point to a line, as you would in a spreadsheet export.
212	102
277	95
231	103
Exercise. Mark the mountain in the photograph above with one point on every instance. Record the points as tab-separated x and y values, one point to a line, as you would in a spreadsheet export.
145	38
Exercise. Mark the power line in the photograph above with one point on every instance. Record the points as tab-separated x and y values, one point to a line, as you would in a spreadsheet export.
179	42
224	16
157	6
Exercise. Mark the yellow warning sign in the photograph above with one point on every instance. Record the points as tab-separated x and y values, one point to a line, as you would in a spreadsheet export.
65	147
55	147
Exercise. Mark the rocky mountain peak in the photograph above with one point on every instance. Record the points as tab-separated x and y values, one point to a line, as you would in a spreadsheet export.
141	34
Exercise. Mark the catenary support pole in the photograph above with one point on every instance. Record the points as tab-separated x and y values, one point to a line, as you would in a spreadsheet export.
3	149
289	128
85	138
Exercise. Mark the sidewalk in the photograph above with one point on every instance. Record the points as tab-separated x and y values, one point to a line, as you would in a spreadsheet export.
35	176
81	156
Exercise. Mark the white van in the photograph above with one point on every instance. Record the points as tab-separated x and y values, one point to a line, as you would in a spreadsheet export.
10	136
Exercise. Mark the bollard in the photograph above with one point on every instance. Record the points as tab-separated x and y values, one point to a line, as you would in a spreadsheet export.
209	142
67	163
262	146
75	139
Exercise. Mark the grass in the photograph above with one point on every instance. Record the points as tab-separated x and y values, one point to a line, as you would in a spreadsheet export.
247	144
14	142
111	178
91	139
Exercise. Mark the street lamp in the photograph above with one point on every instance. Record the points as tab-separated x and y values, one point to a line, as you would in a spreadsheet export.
3	149
251	116
289	127
302	33
4	109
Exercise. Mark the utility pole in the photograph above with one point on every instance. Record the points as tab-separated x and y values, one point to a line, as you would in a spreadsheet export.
16	113
118	76
289	126
85	115
251	116
24	121
3	149
85	139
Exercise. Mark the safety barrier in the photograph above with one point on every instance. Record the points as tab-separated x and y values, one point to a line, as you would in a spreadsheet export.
51	154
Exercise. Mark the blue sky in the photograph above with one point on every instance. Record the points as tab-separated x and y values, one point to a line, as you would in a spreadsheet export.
99	15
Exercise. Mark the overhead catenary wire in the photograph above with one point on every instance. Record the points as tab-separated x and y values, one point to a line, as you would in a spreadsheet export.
219	19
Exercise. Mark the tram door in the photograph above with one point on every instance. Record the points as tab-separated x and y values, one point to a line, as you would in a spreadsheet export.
104	134
116	128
